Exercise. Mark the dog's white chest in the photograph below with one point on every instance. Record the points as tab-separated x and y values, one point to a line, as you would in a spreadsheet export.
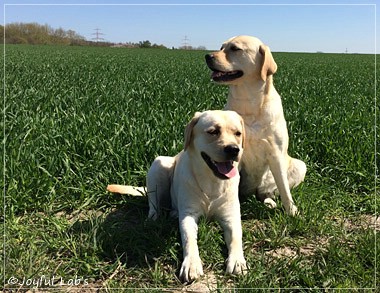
218	197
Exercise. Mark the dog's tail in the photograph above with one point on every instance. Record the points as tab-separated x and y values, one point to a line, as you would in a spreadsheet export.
127	189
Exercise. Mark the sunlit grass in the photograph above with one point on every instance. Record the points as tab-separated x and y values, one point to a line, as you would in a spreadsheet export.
77	119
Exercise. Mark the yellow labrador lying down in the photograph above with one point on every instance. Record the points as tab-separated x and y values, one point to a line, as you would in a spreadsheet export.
203	179
247	66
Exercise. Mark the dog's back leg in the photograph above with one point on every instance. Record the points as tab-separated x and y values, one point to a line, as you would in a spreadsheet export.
268	187
158	185
296	172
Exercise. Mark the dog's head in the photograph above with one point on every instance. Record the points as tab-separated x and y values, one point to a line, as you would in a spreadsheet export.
218	138
240	58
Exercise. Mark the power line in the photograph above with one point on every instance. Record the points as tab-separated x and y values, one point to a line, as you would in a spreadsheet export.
185	43
97	35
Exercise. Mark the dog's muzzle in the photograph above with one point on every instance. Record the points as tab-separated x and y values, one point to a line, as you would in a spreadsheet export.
221	76
225	169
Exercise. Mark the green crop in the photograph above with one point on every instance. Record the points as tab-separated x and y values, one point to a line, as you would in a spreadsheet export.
77	119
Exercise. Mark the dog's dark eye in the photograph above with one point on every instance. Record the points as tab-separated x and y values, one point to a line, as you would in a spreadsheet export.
238	133
213	131
235	48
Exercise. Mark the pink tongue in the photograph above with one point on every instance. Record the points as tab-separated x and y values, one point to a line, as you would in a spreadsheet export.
227	169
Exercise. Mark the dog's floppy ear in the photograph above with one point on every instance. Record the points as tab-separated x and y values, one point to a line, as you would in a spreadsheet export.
269	67
189	129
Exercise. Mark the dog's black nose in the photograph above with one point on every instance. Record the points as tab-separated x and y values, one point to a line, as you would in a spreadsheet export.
209	58
232	150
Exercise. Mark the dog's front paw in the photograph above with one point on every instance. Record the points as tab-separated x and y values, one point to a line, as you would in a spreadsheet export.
236	266
292	210
270	203
191	269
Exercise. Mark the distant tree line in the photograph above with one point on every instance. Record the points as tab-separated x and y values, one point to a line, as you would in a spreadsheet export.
141	44
37	34
192	48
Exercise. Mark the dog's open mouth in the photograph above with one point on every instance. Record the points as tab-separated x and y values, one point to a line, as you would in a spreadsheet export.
220	76
222	170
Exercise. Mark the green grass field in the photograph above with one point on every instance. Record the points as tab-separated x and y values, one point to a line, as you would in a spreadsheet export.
77	119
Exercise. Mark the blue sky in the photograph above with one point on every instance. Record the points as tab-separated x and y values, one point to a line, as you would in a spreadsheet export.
303	26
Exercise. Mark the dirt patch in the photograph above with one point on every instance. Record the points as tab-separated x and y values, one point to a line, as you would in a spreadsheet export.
309	249
363	222
208	283
320	243
281	252
79	215
359	223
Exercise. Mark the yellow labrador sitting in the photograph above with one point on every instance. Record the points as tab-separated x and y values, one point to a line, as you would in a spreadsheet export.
247	66
203	179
